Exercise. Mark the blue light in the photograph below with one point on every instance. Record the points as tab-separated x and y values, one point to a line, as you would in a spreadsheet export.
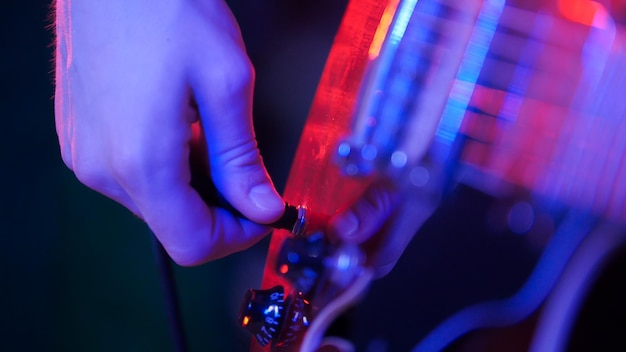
293	257
272	310
467	76
402	21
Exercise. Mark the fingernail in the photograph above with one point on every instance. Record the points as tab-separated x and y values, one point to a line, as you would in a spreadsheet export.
346	226
265	198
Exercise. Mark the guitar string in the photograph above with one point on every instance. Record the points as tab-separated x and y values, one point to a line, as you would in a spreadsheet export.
537	289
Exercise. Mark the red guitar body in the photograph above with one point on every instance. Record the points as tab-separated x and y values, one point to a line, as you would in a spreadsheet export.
315	180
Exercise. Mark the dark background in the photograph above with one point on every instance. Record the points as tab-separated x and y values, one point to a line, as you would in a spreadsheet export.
77	271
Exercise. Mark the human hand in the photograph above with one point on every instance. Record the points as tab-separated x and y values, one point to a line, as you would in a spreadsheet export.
382	222
142	84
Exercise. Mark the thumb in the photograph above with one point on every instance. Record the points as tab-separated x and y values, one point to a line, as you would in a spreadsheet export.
240	176
224	97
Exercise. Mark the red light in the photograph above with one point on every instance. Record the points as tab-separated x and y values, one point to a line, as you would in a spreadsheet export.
284	269
383	27
587	12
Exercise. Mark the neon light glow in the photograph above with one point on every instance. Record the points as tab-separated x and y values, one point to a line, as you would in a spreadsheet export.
587	12
284	269
463	88
383	28
402	21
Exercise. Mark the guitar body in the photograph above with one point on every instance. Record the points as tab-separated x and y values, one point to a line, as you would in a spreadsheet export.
511	110
468	283
315	180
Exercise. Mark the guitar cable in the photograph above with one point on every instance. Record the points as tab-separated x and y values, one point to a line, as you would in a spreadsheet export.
170	296
293	220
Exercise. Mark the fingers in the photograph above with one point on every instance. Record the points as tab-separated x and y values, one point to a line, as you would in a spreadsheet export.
139	156
153	169
191	232
151	165
382	221
124	122
224	100
363	219
411	213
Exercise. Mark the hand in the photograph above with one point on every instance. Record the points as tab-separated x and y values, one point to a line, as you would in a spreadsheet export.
382	222
132	79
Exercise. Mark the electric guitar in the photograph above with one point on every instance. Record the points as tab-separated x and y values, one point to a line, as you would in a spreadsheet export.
522	100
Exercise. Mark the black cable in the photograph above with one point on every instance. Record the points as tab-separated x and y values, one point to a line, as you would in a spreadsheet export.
168	285
205	187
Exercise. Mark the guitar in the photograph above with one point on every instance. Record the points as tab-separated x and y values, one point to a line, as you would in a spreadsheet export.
519	100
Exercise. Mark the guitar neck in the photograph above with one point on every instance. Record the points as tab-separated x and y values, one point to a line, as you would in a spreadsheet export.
315	180
547	112
529	96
